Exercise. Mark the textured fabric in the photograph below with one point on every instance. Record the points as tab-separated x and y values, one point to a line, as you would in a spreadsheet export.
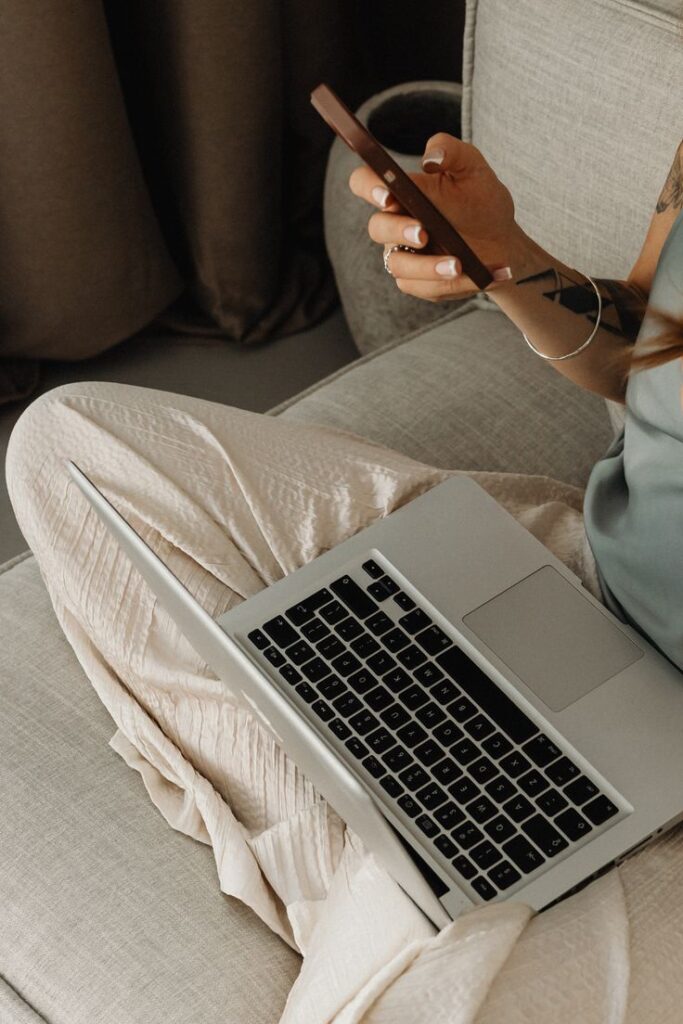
634	498
232	501
466	393
107	916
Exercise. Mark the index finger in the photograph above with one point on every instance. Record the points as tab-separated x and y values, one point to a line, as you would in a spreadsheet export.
362	181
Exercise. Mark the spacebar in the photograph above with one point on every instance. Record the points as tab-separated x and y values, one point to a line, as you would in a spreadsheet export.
487	695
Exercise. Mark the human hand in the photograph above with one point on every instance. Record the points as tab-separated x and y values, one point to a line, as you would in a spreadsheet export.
461	184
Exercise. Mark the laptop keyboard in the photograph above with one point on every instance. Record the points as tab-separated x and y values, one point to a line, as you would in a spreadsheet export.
494	795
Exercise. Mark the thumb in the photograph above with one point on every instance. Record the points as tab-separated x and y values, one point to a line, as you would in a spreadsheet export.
444	152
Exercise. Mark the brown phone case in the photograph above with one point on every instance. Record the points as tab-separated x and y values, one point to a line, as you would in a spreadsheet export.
443	238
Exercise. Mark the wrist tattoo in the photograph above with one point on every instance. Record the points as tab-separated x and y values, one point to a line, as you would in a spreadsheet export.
623	305
672	193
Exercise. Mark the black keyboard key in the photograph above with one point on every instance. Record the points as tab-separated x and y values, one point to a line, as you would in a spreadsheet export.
580	790
307	692
551	802
380	740
514	764
465	752
523	854
485	854
481	809
395	640
331	687
431	796
599	810
446	846
573	824
397	758
483	770
395	716
290	674
411	733
479	727
497	745
340	729
375	767
315	670
429	827
382	589
448	733
430	715
415	621
428	752
379	623
467	834
305	610
330	647
364	645
461	709
449	816
362	681
509	718
315	630
464	790
518	808
379	699
444	691
500	789
532	783
414	777
500	828
413	697
392	786
404	602
433	640
428	674
323	710
464	866
348	704
346	663
407	804
381	663
353	596
258	639
300	652
483	888
363	722
333	612
274	656
373	569
446	771
357	748
411	657
280	631
397	680
504	875
541	750
547	839
349	629
561	772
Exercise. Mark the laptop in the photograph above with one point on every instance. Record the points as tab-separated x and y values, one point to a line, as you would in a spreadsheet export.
485	726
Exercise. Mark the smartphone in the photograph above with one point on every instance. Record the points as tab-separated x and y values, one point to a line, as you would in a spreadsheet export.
443	238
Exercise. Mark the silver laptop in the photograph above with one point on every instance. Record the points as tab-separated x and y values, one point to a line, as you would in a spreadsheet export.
486	726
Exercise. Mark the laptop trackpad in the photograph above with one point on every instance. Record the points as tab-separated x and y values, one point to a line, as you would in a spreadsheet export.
552	637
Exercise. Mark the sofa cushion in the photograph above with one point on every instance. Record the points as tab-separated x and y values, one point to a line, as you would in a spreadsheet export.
108	915
467	394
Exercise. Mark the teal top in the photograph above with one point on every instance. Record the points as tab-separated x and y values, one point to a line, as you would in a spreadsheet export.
633	507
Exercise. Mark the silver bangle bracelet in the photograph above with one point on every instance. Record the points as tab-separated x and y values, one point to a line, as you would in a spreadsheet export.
570	355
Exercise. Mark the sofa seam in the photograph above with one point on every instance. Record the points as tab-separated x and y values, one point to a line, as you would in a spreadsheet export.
38	1015
645	13
15	560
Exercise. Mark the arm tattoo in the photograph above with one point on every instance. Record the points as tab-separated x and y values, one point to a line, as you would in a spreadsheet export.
672	193
623	305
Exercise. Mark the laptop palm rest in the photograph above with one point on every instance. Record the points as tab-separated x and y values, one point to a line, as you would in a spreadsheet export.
552	637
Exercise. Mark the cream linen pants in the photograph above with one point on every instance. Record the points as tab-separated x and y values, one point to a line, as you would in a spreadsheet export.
233	501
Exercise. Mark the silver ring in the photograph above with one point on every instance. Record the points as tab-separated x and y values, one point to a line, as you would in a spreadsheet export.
388	252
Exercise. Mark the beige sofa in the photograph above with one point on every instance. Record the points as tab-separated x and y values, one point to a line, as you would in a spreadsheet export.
107	916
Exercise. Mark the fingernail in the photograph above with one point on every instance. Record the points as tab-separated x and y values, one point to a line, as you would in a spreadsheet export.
380	195
504	274
447	268
414	234
434	156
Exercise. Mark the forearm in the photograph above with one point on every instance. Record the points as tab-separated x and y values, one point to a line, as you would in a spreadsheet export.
555	306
